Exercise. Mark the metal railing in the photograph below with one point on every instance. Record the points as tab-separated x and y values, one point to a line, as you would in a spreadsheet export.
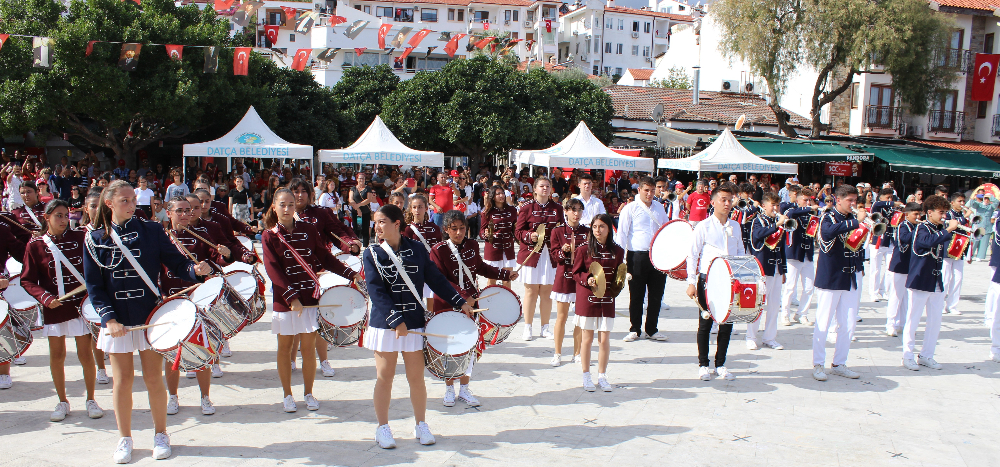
995	130
957	59
946	121
882	117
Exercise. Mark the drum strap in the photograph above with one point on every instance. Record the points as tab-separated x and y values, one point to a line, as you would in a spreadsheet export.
131	260
60	258
402	273
462	268
32	215
416	231
298	258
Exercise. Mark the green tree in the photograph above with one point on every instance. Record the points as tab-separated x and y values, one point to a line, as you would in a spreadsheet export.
361	91
676	78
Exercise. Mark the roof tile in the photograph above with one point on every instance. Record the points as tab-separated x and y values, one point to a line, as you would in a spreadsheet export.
641	73
658	14
989	150
970	4
635	102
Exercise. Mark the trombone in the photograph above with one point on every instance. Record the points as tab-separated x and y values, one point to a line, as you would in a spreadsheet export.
790	224
875	223
974	232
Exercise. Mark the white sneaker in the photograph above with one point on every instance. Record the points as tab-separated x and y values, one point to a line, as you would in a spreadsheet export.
546	332
715	328
664	306
994	357
576	359
449	396
774	345
465	394
327	370
59	414
191	374
225	351
289	404
6	382
602	381
20	361
929	363
383	437
704	373
556	360
526	334
842	370
123	453
725	374
102	376
206	406
161	446
311	402
956	312
172	405
293	364
752	345
785	321
631	337
216	370
423	434
891	333
909	364
588	385
94	410
805	320
818	373
658	336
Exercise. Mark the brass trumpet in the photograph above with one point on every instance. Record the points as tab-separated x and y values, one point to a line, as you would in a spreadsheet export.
877	228
671	197
974	232
976	219
742	203
877	217
790	224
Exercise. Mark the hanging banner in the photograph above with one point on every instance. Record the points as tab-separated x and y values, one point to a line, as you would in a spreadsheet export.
211	59
355	28
985	76
223	5
175	52
327	54
382	31
271	31
429	50
548	25
419	36
301	59
406	53
290	15
3	40
41	49
129	57
842	169
445	36
90	47
484	42
242	16
397	41
360	50
241	61
335	20
306	22
486	25
510	46
452	46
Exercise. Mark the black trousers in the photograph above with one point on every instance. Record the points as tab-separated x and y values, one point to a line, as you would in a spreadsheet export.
474	227
722	343
645	278
364	230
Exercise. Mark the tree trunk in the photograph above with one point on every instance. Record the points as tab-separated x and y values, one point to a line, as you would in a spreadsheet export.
780	114
821	98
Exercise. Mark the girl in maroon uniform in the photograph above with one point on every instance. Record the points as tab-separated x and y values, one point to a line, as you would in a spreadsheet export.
539	274
563	243
53	265
594	314
500	216
420	228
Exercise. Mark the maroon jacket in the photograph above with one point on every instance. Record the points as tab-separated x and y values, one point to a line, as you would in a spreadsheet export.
39	275
563	235
529	216
445	260
331	228
171	284
586	303
21	216
430	231
239	252
503	234
218	207
212	232
10	246
288	279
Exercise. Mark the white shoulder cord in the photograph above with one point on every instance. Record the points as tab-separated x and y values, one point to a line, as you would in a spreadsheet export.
903	248
461	266
400	271
415	230
763	221
930	251
33	217
60	258
131	259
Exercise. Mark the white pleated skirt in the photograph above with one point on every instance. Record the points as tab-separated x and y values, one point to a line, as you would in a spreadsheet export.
590	323
129	343
563	297
503	263
543	273
290	323
72	328
384	340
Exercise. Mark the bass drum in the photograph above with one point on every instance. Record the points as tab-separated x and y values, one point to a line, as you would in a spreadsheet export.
735	289
503	312
343	315
453	357
670	247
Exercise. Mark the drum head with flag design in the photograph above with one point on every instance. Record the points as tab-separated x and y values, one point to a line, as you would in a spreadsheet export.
174	320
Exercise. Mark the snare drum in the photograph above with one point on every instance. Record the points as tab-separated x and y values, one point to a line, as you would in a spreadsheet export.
342	325
22	304
222	306
353	262
670	248
735	289
502	314
89	314
15	338
14	267
246	242
187	336
331	280
450	358
250	286
237	266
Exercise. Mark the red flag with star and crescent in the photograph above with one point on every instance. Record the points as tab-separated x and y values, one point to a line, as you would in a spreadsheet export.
482	43
360	50
241	61
383	30
335	20
90	47
419	36
748	295
3	40
175	52
290	13
223	5
271	31
301	59
452	46
985	76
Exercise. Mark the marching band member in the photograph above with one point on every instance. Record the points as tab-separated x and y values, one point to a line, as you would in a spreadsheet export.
562	244
993	295
799	261
899	267
879	249
637	224
395	273
954	269
925	289
227	238
29	218
592	205
596	314
716	236
51	269
11	247
294	252
498	217
457	257
838	282
92	203
420	227
180	214
765	231
745	215
539	275
122	264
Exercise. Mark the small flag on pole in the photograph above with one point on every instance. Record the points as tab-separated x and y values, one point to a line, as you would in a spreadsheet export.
175	52
271	31
129	57
211	59
42	52
90	47
241	61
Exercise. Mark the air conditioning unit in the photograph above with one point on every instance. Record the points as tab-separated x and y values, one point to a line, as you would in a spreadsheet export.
506	22
649	59
730	85
583	57
527	24
576	33
748	87
635	34
917	130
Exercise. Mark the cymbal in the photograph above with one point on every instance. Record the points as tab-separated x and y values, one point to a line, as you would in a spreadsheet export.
620	275
597	271
540	243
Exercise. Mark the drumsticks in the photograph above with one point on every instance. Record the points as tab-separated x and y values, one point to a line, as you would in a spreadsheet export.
182	292
82	288
18	224
199	237
180	245
488	296
138	328
427	334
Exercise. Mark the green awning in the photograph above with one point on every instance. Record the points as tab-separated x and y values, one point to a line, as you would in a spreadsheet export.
802	151
936	161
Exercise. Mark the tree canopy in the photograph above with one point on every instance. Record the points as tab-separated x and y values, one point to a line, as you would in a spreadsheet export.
361	91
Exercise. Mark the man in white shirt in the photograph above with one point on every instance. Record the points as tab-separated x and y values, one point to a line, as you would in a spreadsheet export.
592	205
718	235
637	223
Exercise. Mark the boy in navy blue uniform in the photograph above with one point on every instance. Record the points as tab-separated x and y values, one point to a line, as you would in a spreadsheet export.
745	215
799	261
925	288
838	282
899	268
954	269
993	296
879	249
767	244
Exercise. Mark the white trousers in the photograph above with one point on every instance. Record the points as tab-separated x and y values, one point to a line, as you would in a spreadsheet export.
771	308
895	313
917	302
878	266
992	305
951	275
842	304
798	271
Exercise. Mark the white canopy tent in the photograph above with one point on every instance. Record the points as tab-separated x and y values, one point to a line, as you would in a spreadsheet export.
250	138
726	154
377	145
581	150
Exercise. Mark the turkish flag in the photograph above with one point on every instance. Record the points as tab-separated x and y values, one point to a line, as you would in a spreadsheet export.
985	76
335	20
419	36
383	30
748	295
272	33
290	13
482	43
452	46
301	59
548	25
3	40
175	52
360	50
90	45
405	54
486	25
222	5
241	61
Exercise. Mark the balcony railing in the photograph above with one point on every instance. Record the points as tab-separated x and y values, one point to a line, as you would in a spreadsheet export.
946	121
957	59
995	130
882	117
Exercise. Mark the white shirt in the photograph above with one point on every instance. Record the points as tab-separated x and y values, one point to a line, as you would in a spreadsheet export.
143	197
712	239
591	208
636	226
